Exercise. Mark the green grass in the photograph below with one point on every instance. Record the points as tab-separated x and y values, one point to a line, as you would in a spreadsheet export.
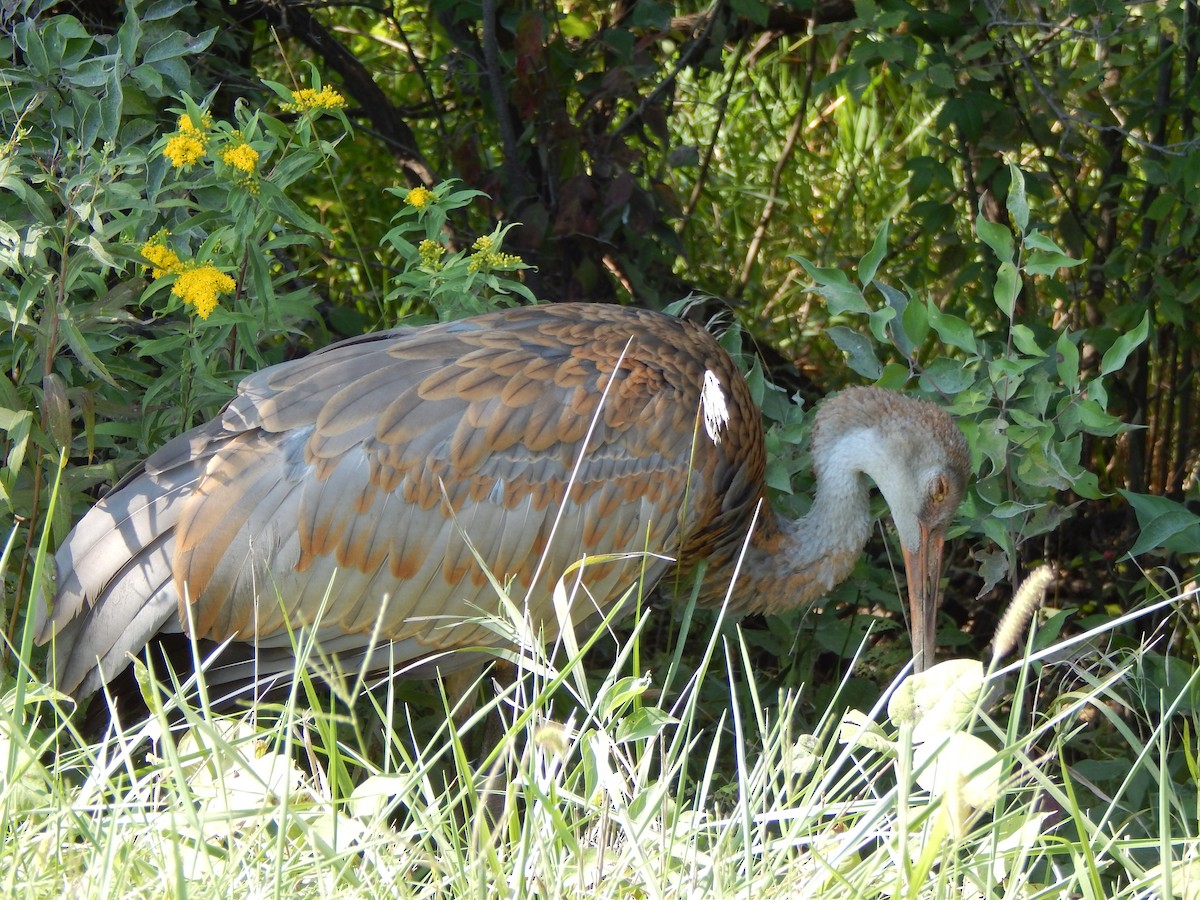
607	785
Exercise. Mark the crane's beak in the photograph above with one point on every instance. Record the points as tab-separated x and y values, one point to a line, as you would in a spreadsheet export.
923	566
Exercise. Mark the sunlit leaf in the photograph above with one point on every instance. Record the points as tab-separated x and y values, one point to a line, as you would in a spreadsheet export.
996	236
832	284
951	329
1008	287
869	264
1125	345
1067	362
1016	202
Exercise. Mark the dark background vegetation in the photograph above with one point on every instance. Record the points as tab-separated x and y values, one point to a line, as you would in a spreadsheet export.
652	151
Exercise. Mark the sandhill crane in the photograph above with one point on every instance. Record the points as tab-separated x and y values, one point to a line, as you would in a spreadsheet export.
354	478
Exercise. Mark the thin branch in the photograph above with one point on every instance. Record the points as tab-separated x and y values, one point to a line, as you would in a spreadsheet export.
710	150
295	20
785	158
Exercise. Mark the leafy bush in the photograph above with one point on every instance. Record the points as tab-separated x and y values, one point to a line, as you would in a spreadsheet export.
453	283
1017	389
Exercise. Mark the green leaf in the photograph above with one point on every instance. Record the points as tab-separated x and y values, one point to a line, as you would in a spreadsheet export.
1088	415
1007	375
173	45
1024	340
996	236
779	476
128	37
1011	509
1161	207
287	210
869	264
644	722
1125	345
1017	203
1042	262
79	346
859	350
916	322
1008	287
29	39
16	425
832	284
111	101
1087	485
1067	361
877	321
1164	524
621	693
897	304
993	567
990	440
947	376
1040	466
1035	240
951	329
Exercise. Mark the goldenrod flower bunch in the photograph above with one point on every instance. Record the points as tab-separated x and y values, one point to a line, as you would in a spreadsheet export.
431	253
308	100
487	256
189	143
197	285
452	281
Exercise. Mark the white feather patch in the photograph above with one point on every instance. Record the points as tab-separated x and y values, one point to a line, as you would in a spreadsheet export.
712	404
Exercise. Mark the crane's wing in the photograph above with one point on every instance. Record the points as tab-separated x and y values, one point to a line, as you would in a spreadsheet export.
341	490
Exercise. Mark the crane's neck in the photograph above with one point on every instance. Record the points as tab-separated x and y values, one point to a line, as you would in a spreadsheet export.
791	563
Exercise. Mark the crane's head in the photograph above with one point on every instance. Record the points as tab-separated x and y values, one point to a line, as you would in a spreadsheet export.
919	460
924	496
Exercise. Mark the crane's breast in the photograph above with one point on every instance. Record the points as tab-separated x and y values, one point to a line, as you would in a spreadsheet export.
398	466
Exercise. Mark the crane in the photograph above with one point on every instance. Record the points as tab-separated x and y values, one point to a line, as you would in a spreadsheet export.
356	491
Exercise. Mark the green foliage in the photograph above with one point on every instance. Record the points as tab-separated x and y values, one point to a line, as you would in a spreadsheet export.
1163	524
459	284
1017	389
98	365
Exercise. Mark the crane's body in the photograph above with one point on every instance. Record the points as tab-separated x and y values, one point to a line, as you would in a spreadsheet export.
360	492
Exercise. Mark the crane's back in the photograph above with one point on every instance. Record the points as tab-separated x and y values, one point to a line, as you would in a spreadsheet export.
357	491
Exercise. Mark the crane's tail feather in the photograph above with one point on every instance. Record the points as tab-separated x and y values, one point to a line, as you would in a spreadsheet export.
115	588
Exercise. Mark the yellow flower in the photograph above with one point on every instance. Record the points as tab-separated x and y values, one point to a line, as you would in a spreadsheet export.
431	252
486	261
308	100
199	287
240	156
163	259
186	126
185	149
419	197
487	257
